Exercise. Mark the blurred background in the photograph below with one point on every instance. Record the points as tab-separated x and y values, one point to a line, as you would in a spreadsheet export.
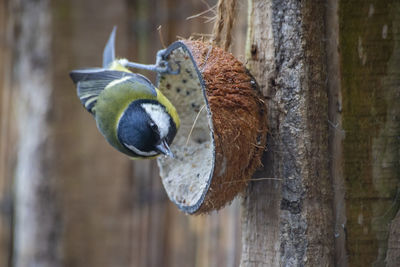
67	198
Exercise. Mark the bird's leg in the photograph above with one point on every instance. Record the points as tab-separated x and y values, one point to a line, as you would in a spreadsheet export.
162	66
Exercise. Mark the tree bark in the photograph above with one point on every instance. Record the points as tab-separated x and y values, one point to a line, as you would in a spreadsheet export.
288	221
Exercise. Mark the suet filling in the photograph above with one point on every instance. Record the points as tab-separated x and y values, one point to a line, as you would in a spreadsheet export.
185	177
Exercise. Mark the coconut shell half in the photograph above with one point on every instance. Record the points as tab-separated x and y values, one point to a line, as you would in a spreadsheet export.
223	127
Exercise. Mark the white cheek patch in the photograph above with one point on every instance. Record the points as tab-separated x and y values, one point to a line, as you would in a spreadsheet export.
159	116
139	152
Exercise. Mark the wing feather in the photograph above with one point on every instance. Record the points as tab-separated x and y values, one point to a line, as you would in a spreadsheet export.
91	82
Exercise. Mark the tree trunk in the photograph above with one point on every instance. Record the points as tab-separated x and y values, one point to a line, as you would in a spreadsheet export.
288	220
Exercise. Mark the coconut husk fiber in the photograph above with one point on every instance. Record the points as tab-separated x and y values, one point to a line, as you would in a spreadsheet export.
222	110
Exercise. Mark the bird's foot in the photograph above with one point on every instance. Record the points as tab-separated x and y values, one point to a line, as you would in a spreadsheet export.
162	66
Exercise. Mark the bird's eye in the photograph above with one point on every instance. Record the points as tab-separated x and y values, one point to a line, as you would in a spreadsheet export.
153	126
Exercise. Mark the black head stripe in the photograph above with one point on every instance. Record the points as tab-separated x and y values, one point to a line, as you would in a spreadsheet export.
136	128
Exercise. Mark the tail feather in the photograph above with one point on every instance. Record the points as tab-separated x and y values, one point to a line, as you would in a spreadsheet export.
109	50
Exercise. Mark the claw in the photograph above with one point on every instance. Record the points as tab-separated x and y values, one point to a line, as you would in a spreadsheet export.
165	68
160	56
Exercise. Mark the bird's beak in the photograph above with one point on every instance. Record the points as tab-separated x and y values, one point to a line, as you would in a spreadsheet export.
164	148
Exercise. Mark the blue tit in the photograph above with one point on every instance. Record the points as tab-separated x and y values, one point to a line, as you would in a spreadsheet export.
133	115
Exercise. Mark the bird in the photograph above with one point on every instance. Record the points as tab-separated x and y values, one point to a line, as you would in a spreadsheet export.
130	112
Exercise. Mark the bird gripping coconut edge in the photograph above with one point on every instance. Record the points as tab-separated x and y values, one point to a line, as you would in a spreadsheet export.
222	119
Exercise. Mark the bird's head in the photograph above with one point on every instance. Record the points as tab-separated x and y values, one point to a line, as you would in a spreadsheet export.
146	129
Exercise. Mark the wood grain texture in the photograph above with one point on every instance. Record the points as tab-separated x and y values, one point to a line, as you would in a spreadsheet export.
393	248
93	180
7	136
260	218
289	222
336	132
369	57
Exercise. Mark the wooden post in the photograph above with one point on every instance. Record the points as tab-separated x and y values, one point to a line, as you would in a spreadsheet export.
288	222
369	51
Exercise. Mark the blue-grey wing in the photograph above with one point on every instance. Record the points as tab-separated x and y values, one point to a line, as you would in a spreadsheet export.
91	82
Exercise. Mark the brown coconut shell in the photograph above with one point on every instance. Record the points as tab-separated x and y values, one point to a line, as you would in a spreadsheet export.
233	128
